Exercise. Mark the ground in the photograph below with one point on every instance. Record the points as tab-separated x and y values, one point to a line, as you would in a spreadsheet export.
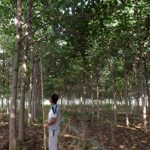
80	132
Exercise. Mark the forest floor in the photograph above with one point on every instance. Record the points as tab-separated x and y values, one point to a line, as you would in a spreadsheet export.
80	132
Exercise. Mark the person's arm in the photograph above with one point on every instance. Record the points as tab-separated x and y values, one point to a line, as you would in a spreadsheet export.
52	116
51	122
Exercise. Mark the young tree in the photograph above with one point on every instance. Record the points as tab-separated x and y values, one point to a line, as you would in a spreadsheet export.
13	98
24	67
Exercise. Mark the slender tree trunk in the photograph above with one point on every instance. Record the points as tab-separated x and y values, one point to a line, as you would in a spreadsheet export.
143	96
24	67
23	86
35	98
129	96
97	94
8	92
35	92
39	101
146	84
2	103
12	117
31	89
114	106
22	98
42	94
28	28
114	97
141	68
32	100
33	95
126	101
3	83
2	99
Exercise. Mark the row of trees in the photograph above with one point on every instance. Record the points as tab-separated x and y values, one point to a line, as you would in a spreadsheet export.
90	49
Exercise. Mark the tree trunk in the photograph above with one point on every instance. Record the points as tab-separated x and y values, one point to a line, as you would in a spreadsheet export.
24	67
42	94
31	90
33	94
114	96
8	92
143	96
32	103
114	106
12	116
35	91
39	102
146	84
22	98
97	94
126	100
3	83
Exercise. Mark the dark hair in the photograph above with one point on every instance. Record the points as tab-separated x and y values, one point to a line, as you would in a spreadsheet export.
54	98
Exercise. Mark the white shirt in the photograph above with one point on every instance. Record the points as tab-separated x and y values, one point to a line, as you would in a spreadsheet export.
54	113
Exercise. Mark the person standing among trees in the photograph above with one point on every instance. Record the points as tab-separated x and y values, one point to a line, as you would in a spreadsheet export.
53	124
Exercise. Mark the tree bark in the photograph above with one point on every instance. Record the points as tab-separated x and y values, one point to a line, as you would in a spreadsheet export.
35	98
126	100
146	84
143	98
114	96
12	116
42	95
3	82
31	89
8	110
24	67
29	21
33	94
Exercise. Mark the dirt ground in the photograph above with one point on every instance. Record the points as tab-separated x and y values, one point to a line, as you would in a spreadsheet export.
85	134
